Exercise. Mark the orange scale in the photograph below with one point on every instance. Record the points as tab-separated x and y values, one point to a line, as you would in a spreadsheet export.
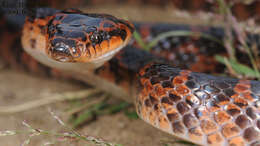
178	80
166	106
163	123
208	126
171	110
235	95
232	109
242	86
236	141
221	117
196	134
182	90
213	108
154	95
215	139
185	73
42	22
167	89
147	90
173	92
230	130
241	102
158	111
202	113
153	118
159	90
247	95
220	104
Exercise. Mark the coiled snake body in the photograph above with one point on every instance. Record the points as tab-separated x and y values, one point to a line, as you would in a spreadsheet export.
200	108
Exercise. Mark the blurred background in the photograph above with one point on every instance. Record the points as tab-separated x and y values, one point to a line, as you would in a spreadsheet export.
242	9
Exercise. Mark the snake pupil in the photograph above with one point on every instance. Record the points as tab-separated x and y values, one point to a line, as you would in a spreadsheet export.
96	38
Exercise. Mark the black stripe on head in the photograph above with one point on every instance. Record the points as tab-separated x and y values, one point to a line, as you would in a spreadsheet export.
128	25
117	32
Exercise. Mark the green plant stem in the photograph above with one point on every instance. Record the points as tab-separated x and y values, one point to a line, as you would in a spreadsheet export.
223	9
252	60
139	40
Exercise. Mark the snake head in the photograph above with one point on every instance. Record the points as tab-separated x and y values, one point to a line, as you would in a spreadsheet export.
79	37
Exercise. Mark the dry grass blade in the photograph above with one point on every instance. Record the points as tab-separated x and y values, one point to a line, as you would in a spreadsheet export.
48	100
86	105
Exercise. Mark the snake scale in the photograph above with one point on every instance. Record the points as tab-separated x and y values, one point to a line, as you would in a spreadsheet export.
197	107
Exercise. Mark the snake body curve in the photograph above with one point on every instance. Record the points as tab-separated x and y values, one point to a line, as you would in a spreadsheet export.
200	108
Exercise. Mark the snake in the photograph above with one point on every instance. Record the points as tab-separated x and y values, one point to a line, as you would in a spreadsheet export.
200	108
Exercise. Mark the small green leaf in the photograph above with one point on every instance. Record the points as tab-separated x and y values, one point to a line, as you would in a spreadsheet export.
243	69
140	41
237	67
82	118
117	108
131	114
220	59
86	114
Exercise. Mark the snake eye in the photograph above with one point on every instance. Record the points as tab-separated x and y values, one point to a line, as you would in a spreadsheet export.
75	52
96	38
